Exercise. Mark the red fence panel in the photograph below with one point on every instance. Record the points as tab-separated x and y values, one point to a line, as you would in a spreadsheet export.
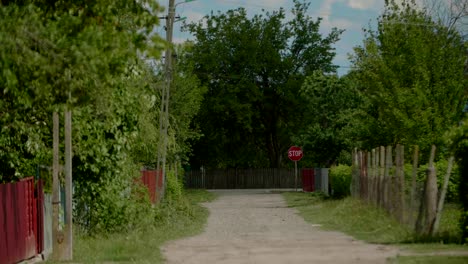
4	257
18	221
308	180
152	180
159	184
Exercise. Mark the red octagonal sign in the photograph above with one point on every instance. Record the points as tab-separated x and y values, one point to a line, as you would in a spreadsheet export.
295	153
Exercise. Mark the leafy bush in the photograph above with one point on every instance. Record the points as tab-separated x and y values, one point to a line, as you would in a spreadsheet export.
174	186
441	169
459	144
340	180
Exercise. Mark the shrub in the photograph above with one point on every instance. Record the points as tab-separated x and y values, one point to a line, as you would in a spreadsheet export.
340	181
441	169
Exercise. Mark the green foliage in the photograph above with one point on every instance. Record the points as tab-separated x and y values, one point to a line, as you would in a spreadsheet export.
340	180
87	56
459	143
369	223
441	170
253	72
328	100
410	75
174	186
141	243
430	259
186	99
351	216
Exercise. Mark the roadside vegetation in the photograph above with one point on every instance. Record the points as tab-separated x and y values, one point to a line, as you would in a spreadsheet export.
268	82
371	224
167	221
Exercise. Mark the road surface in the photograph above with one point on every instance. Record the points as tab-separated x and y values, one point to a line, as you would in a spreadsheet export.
256	226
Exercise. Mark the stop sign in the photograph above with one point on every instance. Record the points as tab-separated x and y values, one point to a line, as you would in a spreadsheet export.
295	153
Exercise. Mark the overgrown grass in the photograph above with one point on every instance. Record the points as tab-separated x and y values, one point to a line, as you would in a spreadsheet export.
186	218
430	260
449	227
374	225
350	216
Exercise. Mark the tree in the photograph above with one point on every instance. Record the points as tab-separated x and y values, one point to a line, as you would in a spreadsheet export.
253	69
329	101
410	73
57	54
459	144
452	13
83	56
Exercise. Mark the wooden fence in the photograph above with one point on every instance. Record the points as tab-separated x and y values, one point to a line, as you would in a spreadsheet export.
21	223
379	178
242	179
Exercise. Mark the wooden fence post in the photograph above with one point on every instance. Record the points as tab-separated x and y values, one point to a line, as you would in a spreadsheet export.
428	208
364	176
440	205
369	176
388	197
400	178
376	176
357	186
413	183
381	176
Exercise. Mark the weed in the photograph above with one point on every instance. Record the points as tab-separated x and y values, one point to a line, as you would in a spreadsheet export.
172	221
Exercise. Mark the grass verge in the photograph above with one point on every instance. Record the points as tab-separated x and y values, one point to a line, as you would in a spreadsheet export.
350	216
430	260
174	221
374	225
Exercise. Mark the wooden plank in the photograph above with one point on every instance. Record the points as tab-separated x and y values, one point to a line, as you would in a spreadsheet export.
440	205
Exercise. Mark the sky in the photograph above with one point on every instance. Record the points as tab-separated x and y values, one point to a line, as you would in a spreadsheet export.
350	15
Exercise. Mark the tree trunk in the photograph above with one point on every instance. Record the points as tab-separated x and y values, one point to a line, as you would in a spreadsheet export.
273	148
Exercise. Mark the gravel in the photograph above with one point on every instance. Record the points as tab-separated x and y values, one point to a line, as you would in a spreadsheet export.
256	226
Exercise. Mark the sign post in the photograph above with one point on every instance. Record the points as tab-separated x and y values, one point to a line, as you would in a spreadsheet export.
295	154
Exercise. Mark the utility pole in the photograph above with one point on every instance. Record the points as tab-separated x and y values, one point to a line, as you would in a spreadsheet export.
68	254
62	243
57	235
165	95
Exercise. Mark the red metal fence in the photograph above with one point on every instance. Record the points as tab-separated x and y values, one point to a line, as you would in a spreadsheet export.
153	180
308	180
20	235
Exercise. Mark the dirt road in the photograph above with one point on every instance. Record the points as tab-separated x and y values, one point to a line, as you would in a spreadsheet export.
256	226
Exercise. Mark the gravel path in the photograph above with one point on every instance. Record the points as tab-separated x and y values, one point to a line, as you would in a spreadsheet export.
256	226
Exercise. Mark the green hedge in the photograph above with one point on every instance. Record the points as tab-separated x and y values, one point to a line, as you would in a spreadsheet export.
340	181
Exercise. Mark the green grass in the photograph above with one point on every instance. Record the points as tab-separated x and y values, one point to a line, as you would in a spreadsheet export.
430	260
142	246
449	227
374	225
350	216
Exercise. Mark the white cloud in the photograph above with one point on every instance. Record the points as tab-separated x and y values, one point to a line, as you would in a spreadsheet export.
363	4
179	40
419	3
331	20
192	16
274	4
342	23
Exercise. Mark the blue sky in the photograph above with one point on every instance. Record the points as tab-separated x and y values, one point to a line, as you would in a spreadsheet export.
351	15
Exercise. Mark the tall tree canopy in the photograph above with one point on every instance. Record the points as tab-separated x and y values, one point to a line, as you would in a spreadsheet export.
410	72
253	68
89	57
330	102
